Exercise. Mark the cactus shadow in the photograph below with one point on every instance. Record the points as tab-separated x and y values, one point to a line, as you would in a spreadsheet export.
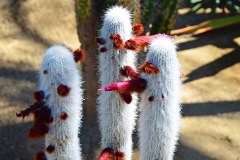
15	144
14	8
210	108
215	66
18	74
186	153
17	85
219	39
90	138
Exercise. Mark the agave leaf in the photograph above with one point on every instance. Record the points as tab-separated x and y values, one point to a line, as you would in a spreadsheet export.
214	8
165	4
230	6
207	26
197	7
195	1
147	12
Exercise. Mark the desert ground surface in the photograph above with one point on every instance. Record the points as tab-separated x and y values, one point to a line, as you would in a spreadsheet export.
210	127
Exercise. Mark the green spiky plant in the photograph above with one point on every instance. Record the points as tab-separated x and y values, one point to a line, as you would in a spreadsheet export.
231	7
160	14
229	15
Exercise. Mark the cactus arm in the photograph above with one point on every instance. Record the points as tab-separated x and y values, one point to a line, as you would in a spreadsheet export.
62	83
160	112
116	130
57	110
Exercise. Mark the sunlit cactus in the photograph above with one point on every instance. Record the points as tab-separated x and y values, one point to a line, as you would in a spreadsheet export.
57	110
116	118
160	102
159	86
88	16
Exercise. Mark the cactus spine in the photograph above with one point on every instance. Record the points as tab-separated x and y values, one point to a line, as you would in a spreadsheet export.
117	119
160	102
58	112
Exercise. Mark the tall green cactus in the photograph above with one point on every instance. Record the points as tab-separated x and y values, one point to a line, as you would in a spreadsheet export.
158	14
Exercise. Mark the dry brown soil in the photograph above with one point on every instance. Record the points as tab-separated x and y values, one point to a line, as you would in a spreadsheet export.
210	127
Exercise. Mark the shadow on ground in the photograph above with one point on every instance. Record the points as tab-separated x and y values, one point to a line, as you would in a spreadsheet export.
215	38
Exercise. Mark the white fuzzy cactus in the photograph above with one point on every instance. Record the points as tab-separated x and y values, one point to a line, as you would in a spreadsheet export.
117	118
159	83
160	102
58	111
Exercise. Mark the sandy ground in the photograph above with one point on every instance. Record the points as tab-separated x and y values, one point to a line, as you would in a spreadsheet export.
210	127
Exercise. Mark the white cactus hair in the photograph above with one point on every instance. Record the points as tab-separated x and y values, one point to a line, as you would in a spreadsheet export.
160	116
116	118
119	17
59	68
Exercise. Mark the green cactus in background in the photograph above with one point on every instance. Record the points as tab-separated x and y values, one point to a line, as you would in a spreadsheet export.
157	16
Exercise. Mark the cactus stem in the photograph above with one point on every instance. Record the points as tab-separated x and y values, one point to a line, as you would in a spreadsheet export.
137	29
159	121
54	103
149	68
117	41
116	29
40	156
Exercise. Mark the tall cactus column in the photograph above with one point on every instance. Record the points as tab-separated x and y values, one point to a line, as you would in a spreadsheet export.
57	110
117	118
160	102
